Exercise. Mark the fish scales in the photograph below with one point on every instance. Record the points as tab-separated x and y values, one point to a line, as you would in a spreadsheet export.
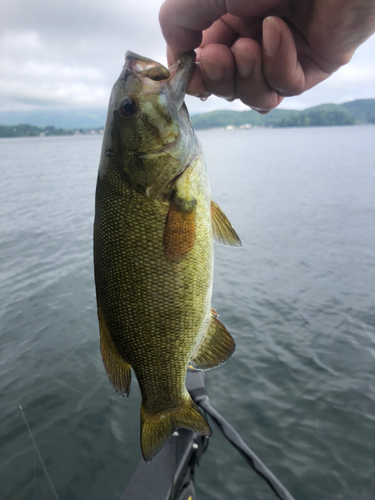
158	303
153	249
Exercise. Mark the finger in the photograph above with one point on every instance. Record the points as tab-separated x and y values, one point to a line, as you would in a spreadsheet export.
217	69
281	68
247	27
223	34
197	87
182	23
220	32
251	87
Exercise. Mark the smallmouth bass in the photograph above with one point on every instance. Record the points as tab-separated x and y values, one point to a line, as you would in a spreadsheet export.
154	228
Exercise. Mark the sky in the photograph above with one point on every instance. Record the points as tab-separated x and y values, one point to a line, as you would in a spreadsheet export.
69	53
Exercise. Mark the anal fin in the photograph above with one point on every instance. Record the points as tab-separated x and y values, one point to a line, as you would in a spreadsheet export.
216	348
117	369
223	231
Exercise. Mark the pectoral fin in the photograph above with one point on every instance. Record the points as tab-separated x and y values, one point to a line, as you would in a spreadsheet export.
118	370
224	233
216	348
179	235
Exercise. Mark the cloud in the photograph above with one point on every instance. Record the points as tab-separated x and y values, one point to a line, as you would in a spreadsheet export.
81	32
70	53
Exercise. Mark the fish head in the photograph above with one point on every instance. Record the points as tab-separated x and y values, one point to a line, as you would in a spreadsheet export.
148	129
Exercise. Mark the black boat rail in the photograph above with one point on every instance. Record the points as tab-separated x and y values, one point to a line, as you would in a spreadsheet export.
170	475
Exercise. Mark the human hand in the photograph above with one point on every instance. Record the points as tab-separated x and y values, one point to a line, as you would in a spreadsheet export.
261	51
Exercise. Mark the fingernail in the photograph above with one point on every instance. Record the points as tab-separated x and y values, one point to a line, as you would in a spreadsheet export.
271	42
212	69
192	93
198	54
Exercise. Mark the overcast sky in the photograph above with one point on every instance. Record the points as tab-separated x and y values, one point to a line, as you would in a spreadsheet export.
68	53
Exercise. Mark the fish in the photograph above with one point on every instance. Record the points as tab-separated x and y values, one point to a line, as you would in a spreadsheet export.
154	228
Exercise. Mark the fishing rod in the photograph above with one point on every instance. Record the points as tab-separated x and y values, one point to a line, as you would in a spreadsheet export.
170	475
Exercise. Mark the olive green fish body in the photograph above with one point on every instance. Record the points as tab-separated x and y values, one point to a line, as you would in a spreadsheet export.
154	229
163	306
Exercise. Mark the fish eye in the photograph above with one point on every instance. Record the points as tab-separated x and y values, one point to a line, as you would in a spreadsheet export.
127	107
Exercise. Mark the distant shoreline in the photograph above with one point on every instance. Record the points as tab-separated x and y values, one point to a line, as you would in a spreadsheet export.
68	133
26	130
218	129
359	112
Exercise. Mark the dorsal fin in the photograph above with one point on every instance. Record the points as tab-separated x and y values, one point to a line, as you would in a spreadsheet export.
223	231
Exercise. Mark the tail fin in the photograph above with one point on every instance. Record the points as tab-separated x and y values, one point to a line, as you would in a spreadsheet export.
156	429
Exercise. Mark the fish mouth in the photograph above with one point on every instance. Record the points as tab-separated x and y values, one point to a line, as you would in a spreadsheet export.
171	83
142	66
176	77
181	72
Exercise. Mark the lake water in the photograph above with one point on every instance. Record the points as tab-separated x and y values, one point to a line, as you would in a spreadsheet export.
298	298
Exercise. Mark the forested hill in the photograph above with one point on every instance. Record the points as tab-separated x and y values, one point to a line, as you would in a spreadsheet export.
25	130
348	113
